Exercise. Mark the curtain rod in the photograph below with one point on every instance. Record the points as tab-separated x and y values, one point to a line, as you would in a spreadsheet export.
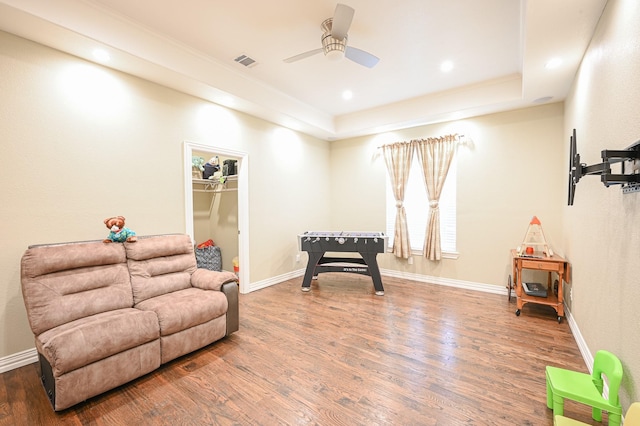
457	136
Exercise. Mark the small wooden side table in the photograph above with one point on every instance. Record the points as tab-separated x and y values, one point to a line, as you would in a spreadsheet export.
550	264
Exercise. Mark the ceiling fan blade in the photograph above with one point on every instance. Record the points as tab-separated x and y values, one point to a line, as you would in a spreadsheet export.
361	57
342	18
303	55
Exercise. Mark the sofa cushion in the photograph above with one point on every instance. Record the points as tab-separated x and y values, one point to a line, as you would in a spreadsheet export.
103	375
49	258
87	340
64	282
160	246
159	265
183	309
191	339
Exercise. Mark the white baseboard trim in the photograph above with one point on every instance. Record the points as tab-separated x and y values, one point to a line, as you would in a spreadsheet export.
468	285
30	355
450	282
18	360
275	280
582	345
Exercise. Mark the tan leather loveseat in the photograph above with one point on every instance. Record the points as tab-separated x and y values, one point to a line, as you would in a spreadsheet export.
105	314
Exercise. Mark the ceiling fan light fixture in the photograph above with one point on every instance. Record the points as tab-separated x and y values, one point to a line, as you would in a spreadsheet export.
332	47
334	55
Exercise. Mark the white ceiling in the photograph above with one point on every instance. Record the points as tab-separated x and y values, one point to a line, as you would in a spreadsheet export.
499	49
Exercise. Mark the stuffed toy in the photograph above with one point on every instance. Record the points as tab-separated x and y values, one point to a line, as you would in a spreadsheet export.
197	163
197	167
119	234
211	167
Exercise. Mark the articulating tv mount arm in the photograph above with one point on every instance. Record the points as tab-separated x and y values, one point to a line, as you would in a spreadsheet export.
627	158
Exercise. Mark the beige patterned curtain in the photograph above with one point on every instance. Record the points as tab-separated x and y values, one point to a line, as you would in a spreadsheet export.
435	155
398	157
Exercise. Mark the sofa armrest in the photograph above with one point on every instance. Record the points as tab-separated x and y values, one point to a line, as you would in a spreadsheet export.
224	281
230	290
211	280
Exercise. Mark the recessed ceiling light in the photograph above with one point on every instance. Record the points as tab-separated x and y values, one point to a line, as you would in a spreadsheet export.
446	66
101	55
553	63
347	94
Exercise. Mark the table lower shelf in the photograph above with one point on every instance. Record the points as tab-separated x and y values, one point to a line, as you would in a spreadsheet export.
550	300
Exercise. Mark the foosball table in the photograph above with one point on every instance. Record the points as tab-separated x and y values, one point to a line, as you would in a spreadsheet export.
367	244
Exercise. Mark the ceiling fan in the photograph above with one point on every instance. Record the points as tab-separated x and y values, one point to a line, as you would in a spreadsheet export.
334	40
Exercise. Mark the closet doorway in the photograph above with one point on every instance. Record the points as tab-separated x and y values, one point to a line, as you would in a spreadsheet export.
219	210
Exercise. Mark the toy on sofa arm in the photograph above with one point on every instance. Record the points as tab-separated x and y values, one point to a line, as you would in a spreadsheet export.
118	234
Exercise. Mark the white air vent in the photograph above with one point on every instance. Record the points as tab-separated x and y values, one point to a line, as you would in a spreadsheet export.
246	61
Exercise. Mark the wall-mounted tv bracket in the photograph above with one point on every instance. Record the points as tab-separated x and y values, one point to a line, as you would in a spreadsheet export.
627	159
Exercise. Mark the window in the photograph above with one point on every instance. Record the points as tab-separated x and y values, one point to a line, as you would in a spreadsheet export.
416	204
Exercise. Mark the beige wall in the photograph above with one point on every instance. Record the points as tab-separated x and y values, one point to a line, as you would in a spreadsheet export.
80	143
601	233
512	168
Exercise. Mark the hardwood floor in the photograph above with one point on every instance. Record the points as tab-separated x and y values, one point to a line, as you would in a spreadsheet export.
339	355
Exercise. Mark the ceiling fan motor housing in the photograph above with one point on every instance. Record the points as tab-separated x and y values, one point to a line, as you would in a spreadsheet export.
332	47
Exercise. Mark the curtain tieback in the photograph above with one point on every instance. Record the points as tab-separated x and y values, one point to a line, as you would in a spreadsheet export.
433	204
399	204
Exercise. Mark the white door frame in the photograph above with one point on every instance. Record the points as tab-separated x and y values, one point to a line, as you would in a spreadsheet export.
243	201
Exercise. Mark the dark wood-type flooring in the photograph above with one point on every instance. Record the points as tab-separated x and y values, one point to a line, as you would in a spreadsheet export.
339	355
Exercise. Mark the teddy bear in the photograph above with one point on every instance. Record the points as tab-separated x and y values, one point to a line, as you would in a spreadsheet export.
118	234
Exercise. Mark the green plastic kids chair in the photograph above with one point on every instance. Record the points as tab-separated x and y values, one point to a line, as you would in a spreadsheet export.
587	389
632	418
